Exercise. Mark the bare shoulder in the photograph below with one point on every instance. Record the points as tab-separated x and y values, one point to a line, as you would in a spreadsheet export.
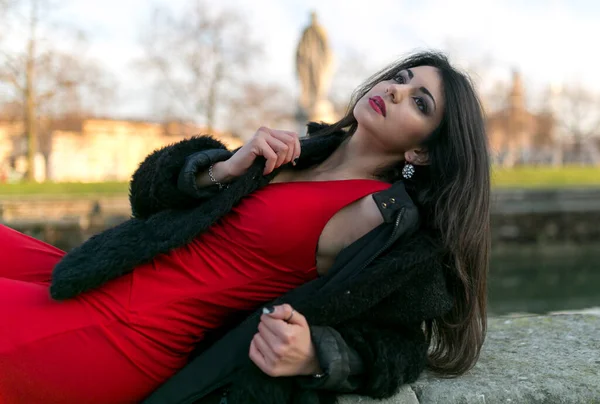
357	219
347	226
369	211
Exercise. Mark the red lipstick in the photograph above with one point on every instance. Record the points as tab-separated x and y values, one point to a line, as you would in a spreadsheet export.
378	104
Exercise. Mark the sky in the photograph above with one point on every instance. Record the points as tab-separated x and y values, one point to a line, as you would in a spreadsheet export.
550	42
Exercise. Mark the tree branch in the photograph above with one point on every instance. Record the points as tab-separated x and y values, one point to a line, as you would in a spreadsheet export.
13	73
194	54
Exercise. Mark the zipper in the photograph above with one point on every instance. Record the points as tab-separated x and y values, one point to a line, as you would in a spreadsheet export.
194	398
224	397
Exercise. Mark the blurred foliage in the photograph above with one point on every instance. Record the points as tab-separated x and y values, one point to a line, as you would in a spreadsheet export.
518	177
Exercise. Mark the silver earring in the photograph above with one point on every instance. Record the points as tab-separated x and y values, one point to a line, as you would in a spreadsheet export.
408	171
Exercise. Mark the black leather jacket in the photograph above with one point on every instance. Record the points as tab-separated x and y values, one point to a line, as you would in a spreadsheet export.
365	314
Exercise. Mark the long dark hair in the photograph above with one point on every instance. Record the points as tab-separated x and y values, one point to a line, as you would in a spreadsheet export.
453	194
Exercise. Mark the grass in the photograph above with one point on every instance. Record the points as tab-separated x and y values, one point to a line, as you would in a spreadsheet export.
73	189
546	177
520	177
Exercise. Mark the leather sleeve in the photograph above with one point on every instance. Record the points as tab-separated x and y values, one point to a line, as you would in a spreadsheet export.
367	359
341	365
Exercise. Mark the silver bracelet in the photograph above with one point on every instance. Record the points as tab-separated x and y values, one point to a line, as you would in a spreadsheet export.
213	179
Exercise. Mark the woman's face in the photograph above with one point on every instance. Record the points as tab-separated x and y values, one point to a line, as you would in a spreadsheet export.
412	108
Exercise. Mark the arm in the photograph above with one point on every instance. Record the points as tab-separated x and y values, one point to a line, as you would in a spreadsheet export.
366	359
385	347
156	184
176	176
364	356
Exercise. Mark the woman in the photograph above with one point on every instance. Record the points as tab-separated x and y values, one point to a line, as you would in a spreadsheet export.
324	225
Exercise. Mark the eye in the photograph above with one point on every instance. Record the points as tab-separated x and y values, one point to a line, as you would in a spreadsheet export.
421	104
400	79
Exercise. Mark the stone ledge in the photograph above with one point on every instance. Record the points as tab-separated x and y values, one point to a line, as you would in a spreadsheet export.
405	396
527	359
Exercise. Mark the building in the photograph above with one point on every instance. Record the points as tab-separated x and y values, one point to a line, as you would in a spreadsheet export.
91	150
518	136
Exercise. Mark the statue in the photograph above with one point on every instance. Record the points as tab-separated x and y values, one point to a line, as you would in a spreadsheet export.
314	68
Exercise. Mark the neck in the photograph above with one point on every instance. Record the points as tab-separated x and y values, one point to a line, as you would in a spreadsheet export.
359	156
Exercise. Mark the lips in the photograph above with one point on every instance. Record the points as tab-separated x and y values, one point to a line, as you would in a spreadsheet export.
378	104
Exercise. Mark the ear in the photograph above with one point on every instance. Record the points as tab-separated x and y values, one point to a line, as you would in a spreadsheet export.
418	156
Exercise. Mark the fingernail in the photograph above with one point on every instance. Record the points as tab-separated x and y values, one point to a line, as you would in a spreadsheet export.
295	161
268	309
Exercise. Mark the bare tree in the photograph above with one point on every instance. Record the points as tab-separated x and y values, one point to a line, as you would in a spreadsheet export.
580	118
198	58
4	4
40	76
495	98
483	69
261	104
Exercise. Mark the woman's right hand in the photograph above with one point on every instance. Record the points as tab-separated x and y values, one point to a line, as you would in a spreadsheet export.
278	147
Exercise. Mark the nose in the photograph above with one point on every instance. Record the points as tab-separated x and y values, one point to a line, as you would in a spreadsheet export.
397	92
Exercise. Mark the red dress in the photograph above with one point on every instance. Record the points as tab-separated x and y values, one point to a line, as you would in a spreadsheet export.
118	343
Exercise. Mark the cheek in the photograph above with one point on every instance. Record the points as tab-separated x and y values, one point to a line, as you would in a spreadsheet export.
408	129
362	113
356	110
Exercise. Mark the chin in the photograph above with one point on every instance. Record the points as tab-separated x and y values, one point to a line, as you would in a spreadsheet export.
367	118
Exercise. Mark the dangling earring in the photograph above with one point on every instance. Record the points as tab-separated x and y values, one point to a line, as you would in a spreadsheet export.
408	171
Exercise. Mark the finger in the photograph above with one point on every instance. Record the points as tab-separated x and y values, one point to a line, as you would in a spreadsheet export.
284	312
269	154
258	358
277	326
262	132
281	312
273	332
288	138
297	147
296	139
278	143
265	349
280	147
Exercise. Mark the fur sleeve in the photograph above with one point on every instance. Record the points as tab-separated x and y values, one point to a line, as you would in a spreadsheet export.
391	356
154	187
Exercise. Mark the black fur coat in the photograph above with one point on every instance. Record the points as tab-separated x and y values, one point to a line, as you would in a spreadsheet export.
380	314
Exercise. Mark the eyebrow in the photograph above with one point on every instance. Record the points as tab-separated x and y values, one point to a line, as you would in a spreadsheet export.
423	89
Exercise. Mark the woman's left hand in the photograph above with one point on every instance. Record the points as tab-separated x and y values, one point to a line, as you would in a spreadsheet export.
284	348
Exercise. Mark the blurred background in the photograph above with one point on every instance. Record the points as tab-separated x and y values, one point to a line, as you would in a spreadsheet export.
88	89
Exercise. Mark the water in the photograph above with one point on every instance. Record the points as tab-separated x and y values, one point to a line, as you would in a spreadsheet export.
524	278
544	278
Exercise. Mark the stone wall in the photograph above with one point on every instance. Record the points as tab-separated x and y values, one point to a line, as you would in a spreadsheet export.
531	217
546	216
530	359
59	208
